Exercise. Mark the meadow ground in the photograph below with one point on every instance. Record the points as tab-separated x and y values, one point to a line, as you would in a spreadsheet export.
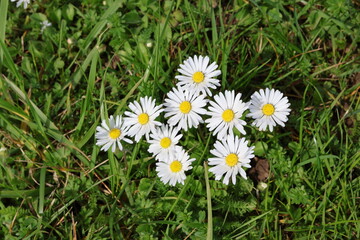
59	79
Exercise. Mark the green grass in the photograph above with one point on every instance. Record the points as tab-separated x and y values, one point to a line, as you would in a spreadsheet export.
57	86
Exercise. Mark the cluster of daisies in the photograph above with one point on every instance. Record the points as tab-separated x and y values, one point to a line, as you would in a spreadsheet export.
186	106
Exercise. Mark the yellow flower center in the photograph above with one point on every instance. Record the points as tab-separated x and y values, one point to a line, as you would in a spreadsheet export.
175	166
185	107
165	142
198	77
228	115
231	159
268	109
114	133
143	118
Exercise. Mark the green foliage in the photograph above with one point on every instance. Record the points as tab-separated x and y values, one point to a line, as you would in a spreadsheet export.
57	84
17	222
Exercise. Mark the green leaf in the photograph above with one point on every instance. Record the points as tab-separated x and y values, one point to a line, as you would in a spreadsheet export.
260	148
59	64
68	12
132	17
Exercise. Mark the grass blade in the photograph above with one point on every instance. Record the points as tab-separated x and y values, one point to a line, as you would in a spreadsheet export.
3	16
42	190
89	92
209	235
24	97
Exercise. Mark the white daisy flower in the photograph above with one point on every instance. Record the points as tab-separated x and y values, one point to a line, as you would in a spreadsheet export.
163	142
226	112
142	118
19	2
110	135
45	24
198	75
173	171
231	155
269	108
184	108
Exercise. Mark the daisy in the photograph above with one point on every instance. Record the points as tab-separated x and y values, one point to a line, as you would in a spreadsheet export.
173	170
142	118
19	2
45	24
269	108
198	75
231	155
226	112
163	142
110	135
184	108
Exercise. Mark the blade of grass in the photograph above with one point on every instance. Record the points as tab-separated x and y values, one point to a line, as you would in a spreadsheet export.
50	127
75	78
113	7
14	110
209	234
89	92
156	59
21	193
88	134
41	197
236	235
3	17
24	97
25	139
63	208
132	90
9	63
63	140
214	32
128	177
188	182
42	190
114	167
